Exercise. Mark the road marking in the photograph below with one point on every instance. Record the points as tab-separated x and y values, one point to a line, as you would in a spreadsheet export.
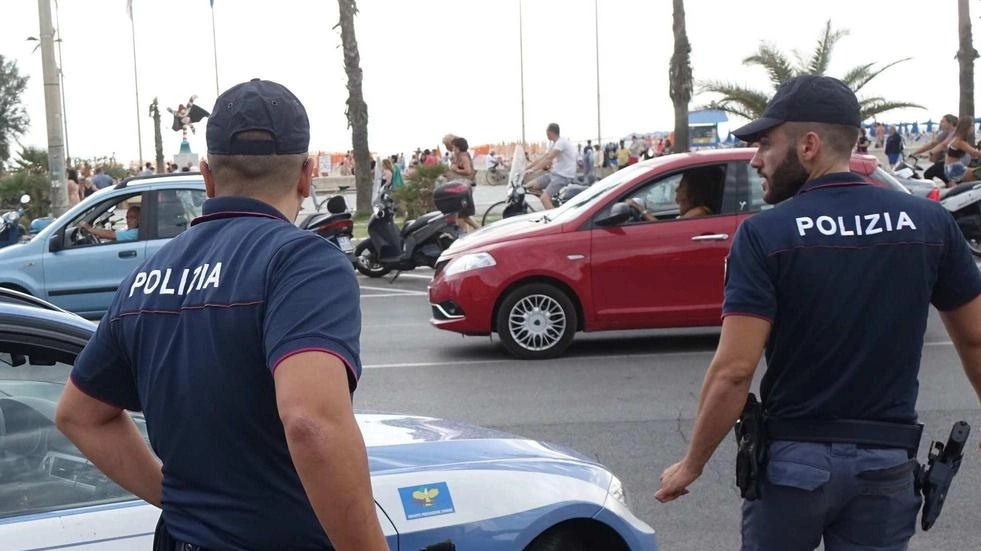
557	360
391	295
574	358
393	292
416	276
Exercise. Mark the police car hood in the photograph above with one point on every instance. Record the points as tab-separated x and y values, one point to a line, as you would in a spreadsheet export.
409	443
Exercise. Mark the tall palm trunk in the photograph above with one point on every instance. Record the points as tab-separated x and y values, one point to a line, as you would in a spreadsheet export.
157	137
681	79
966	55
357	109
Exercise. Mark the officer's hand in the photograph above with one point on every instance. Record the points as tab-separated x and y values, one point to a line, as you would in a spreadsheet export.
675	481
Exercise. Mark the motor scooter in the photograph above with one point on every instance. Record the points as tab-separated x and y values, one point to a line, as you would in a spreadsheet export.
963	202
10	229
335	225
419	242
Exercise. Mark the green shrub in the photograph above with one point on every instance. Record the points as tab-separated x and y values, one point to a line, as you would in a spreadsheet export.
38	186
416	196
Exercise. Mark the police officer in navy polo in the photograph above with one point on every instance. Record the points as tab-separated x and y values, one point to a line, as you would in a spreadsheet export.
835	284
238	340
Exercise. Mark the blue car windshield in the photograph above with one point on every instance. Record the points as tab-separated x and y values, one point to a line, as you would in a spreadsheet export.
602	188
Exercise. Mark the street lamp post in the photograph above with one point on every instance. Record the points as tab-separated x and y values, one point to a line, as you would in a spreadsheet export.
521	53
61	81
52	108
599	132
136	89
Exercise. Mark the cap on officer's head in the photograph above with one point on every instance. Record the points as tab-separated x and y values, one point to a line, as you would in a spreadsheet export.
260	105
807	98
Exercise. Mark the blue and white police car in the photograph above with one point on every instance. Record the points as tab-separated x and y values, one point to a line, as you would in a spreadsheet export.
438	485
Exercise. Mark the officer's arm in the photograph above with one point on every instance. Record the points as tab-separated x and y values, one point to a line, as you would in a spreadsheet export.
964	326
312	394
108	437
726	385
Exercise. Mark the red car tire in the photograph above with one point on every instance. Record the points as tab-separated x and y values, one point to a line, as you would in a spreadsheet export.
536	322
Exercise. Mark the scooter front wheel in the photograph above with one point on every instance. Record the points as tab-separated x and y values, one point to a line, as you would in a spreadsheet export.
365	260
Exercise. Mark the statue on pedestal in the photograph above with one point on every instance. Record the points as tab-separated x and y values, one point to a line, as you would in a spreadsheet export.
184	118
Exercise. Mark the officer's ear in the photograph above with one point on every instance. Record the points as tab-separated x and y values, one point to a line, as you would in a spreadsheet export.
209	178
809	145
306	178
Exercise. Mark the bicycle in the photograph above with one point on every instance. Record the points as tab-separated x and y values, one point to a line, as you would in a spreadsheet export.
497	174
514	202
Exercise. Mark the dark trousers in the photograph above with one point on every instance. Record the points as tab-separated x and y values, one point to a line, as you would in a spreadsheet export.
854	498
163	541
935	171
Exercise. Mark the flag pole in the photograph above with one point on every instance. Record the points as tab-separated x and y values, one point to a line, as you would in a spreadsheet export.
214	46
599	132
521	57
136	86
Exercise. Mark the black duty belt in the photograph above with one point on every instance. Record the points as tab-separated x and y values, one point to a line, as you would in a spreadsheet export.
846	431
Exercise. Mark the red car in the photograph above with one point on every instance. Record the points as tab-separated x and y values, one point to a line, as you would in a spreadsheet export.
537	279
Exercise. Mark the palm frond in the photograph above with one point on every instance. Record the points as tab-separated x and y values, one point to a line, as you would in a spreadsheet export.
864	102
774	61
874	73
870	110
736	99
801	62
729	109
818	63
857	74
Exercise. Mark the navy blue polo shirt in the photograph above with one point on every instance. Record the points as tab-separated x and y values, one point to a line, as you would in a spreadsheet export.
846	271
192	339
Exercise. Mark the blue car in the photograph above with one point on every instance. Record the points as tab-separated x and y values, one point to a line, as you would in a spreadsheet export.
78	271
437	484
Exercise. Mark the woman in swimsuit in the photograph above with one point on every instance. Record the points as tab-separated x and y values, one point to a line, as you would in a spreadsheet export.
955	163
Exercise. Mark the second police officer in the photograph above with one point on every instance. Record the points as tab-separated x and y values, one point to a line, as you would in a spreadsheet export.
835	284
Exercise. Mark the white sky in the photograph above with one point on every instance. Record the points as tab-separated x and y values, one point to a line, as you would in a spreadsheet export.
437	66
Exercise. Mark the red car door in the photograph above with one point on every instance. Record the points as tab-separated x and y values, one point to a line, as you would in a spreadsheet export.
667	273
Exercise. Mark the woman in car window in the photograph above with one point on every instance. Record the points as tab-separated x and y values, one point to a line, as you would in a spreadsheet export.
692	200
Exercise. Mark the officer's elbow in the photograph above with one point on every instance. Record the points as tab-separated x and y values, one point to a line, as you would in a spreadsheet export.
734	373
304	429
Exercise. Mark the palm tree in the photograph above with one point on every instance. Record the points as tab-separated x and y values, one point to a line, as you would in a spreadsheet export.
965	58
680	77
357	109
749	103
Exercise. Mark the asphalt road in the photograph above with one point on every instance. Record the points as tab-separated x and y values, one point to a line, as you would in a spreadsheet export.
627	399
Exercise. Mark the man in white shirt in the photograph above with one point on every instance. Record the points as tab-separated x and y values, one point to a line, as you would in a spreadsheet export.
562	158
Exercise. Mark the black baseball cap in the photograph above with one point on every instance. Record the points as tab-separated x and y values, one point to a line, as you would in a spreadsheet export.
807	98
258	105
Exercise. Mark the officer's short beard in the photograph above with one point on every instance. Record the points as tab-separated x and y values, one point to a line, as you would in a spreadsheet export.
786	179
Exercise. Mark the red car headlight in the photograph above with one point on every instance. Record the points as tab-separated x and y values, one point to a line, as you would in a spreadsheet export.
468	262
